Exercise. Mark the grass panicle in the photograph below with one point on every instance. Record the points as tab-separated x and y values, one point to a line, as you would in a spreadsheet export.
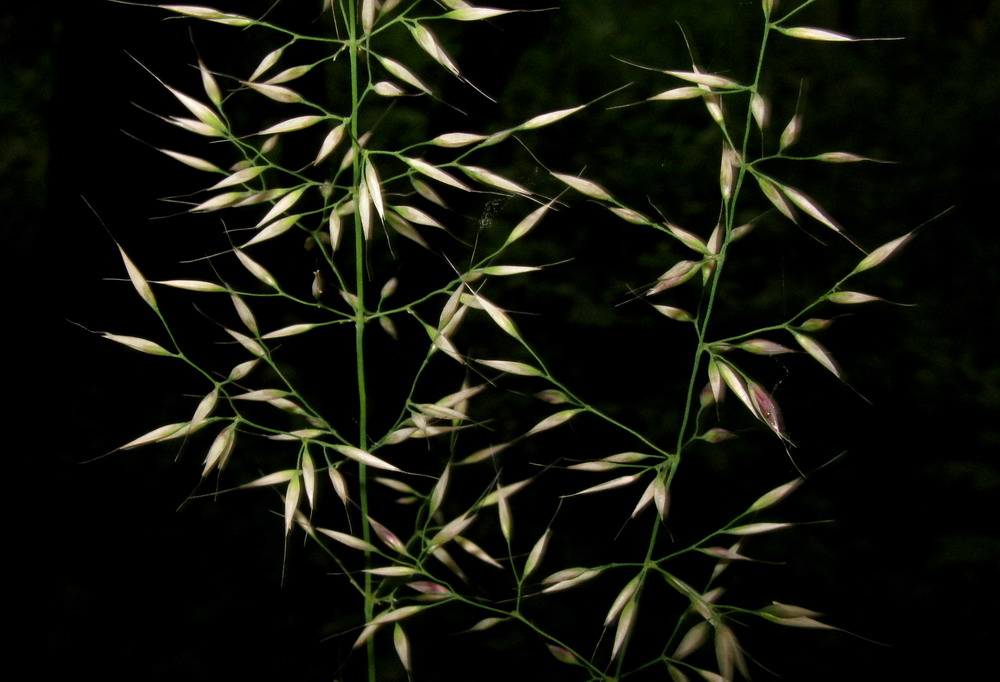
414	474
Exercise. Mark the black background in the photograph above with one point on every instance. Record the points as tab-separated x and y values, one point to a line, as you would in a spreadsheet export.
124	585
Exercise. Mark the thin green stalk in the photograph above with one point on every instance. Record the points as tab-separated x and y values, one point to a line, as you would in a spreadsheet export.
359	326
730	214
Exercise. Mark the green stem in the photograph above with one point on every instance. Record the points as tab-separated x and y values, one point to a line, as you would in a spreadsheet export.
360	319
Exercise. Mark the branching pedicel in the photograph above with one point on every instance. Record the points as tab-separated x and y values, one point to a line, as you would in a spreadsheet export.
406	561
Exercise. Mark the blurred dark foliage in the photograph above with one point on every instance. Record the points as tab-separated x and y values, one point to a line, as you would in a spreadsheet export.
130	587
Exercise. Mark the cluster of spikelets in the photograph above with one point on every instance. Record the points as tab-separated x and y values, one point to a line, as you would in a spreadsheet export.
358	196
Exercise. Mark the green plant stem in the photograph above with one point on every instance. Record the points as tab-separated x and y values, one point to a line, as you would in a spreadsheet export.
359	326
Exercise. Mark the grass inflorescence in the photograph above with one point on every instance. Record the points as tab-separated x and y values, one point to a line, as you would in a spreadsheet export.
365	364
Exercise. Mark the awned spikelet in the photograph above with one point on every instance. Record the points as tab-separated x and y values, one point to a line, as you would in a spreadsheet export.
291	330
269	60
241	370
256	269
537	552
475	550
157	434
736	385
808	33
818	352
220	201
363	457
689	239
625	624
194	11
209	84
551	117
585	187
728	654
775	496
645	498
629	215
674	313
437	494
770	190
730	161
330	142
756	528
289	125
435	173
220	449
529	222
403	74
567	578
388	89
552	421
707	79
243	310
429	44
715	380
271	479
505	515
809	206
292	495
201	111
851	297
631	587
374	186
507	490
368	8
196	127
282	205
766	409
397	223
693	640
500	317
402	645
475	13
393	571
842	157
699	602
760	109
793	616
193	161
763	347
879	255
390	539
393	615
450	531
679	273
276	92
453	140
209	14
138	281
239	177
512	367
349	540
608	485
427	192
790	135
136	343
491	179
247	343
661	494
686	92
562	654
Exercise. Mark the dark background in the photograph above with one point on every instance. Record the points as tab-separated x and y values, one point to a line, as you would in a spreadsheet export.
124	585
